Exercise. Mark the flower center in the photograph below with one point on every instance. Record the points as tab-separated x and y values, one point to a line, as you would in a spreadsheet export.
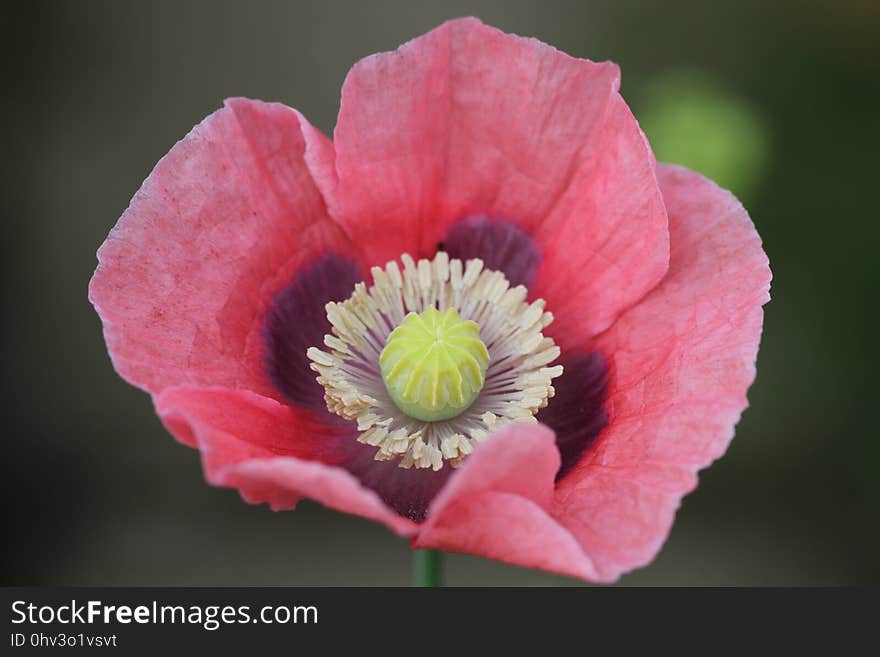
434	364
429	360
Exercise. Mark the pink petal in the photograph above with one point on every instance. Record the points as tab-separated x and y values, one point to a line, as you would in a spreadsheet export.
467	120
219	225
607	242
270	452
681	361
496	505
281	481
257	426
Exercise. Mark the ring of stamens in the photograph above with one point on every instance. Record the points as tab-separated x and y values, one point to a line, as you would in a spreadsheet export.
518	381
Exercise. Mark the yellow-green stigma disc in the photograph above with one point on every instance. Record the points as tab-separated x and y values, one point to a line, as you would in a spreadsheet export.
434	364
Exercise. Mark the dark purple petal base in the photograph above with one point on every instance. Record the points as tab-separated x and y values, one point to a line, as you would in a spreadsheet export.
501	246
297	320
577	412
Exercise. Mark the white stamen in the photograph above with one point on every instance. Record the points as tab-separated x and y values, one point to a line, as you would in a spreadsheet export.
517	382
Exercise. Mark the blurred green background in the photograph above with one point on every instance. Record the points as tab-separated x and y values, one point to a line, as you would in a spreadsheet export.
779	101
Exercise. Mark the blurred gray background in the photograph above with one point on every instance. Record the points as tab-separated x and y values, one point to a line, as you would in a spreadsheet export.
777	100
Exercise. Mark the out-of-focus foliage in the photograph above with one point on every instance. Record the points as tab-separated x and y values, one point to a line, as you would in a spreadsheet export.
692	119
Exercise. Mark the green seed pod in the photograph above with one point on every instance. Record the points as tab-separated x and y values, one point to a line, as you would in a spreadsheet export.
434	364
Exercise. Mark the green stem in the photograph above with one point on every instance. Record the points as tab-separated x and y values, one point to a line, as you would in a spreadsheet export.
428	568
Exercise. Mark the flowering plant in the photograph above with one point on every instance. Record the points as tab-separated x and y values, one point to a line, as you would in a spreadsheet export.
481	315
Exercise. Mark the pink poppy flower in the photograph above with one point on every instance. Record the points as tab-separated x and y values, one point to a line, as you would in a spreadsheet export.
469	170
